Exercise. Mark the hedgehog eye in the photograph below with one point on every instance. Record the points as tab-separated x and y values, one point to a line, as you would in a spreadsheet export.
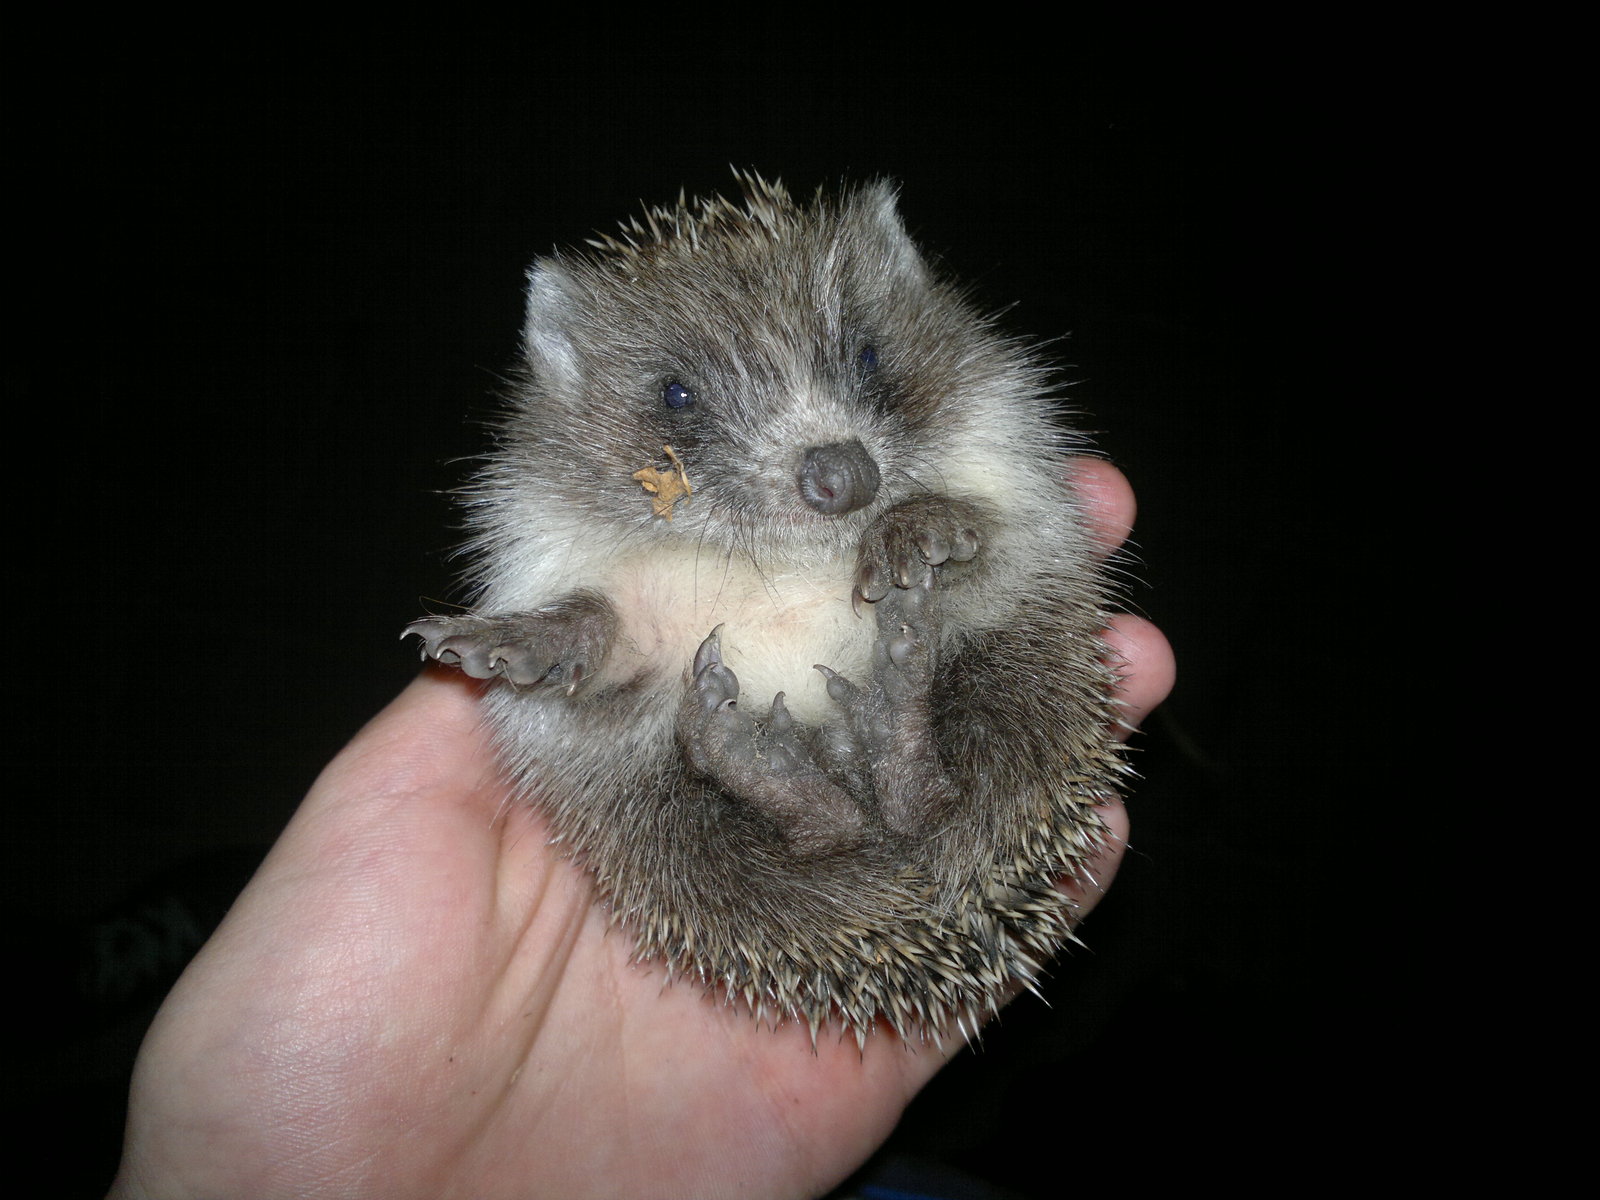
675	395
868	358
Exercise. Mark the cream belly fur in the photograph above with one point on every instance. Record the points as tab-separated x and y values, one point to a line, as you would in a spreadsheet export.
771	624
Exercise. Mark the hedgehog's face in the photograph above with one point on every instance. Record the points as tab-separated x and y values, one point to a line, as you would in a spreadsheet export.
776	404
807	376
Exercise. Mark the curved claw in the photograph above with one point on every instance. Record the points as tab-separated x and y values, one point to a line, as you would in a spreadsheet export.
429	630
710	651
840	689
779	720
869	587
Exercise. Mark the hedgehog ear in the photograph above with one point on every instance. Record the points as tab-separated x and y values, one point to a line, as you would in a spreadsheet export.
546	339
880	206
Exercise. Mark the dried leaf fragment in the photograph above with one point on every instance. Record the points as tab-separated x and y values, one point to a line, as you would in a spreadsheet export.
667	485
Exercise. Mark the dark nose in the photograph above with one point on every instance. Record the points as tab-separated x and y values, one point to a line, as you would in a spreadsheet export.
838	479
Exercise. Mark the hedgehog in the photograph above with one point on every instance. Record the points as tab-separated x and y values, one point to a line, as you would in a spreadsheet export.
788	615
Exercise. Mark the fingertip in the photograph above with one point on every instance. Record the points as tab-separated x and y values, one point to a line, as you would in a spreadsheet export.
1109	503
1143	659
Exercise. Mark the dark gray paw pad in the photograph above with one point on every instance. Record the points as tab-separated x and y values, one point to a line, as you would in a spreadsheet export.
866	717
524	666
467	652
786	749
903	659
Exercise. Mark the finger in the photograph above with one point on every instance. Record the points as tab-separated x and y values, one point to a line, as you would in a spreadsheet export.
1142	657
1109	504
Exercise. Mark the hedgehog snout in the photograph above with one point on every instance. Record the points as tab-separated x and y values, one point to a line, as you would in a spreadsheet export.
838	479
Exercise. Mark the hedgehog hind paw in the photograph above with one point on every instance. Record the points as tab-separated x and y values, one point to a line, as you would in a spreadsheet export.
770	763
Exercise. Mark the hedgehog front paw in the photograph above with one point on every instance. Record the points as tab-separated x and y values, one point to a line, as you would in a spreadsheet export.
512	648
559	646
768	763
903	546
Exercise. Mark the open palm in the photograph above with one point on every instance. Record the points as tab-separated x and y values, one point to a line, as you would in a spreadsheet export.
416	996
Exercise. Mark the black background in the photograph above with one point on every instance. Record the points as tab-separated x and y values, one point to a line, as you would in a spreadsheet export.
264	306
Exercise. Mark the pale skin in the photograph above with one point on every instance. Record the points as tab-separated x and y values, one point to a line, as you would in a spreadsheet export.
415	997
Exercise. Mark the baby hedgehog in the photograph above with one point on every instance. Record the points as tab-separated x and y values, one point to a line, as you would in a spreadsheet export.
790	616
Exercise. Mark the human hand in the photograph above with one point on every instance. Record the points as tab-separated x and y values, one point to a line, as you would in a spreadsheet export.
415	997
